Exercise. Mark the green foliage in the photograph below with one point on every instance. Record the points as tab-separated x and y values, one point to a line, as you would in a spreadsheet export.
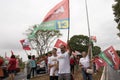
96	50
43	40
118	51
21	63
79	43
116	9
118	27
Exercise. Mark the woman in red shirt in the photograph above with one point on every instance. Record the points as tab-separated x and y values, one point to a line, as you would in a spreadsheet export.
12	67
1	70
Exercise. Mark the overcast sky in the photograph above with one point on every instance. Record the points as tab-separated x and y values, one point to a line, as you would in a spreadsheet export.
17	15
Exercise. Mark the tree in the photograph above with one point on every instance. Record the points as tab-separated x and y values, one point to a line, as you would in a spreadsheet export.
96	50
43	40
79	43
116	9
118	51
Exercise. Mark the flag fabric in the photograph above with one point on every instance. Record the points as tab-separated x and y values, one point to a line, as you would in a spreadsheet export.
6	57
103	56
99	62
25	44
12	52
59	12
59	43
75	53
56	18
113	56
93	39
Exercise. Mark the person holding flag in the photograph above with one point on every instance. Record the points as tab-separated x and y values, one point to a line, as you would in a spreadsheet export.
85	64
12	67
64	63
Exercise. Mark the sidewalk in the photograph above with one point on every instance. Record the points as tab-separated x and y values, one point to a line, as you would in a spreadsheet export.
113	74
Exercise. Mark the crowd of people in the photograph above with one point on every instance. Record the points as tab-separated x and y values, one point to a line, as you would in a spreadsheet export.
60	65
9	67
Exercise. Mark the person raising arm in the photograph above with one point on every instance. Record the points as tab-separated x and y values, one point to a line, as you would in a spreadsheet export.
85	64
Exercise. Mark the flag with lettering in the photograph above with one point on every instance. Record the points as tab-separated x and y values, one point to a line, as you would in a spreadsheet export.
25	44
105	58
59	43
113	56
56	18
59	14
99	62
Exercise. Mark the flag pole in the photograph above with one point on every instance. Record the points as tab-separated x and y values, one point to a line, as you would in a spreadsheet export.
88	24
68	20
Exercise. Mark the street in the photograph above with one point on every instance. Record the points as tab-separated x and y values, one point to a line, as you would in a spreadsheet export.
19	76
112	74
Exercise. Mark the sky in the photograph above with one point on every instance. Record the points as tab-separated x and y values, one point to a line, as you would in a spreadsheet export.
16	16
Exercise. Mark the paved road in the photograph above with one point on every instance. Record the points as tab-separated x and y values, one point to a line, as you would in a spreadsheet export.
19	76
112	74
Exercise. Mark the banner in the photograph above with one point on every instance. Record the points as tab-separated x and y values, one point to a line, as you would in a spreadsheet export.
103	56
25	44
59	12
56	18
59	43
6	57
113	56
12	53
62	24
99	62
93	39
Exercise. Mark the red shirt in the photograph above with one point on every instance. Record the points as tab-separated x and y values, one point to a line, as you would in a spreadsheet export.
1	61
12	64
72	61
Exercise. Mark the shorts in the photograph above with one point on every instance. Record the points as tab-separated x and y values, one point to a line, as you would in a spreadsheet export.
11	71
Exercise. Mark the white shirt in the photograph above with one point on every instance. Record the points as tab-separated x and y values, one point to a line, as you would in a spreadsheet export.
51	61
64	63
85	61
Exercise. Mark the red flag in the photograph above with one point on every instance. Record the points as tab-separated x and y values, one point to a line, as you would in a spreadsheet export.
99	62
93	38
113	56
59	43
6	57
60	11
59	15
12	52
56	18
25	44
